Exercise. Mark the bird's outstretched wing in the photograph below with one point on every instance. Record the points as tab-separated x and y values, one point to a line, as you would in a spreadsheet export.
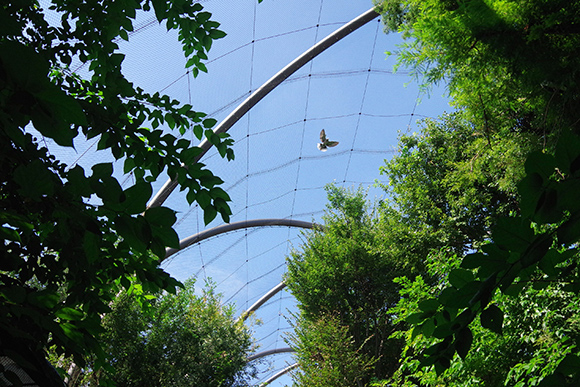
324	142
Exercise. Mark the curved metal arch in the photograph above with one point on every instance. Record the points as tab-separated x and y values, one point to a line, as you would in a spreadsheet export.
236	226
270	352
244	316
284	371
266	88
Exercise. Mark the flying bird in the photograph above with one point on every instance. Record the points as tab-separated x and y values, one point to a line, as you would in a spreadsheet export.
324	142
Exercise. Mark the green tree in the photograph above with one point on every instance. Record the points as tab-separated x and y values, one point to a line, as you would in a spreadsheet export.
343	281
450	182
446	189
327	355
177	340
65	255
511	67
537	248
539	329
508	64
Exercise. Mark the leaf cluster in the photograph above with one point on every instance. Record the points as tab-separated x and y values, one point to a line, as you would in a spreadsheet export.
539	330
72	239
538	247
327	355
450	182
345	271
183	339
509	65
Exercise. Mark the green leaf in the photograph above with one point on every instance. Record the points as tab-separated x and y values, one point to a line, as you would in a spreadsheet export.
136	198
69	314
193	61
464	295
203	198
218	193
513	234
541	163
429	305
416	318
161	216
198	131
43	299
536	250
210	180
188	155
553	258
463	341
569	231
443	331
567	195
160	7
185	109
9	234
514	289
102	170
568	152
428	327
128	165
14	294
167	236
548	207
530	189
460	277
209	123
492	318
116	59
35	180
441	365
128	228
72	332
495	260
170	120
446	295
209	214
91	246
217	34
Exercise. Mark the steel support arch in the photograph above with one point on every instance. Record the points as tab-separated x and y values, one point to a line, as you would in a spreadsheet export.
221	229
269	352
244	316
284	371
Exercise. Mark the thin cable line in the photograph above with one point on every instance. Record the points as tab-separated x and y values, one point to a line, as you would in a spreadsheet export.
362	102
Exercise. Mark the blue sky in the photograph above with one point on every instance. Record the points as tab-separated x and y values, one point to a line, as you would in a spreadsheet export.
349	90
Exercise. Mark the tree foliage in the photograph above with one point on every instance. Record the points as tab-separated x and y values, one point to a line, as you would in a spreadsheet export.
176	340
509	64
72	238
538	247
540	328
450	182
343	278
327	355
512	68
